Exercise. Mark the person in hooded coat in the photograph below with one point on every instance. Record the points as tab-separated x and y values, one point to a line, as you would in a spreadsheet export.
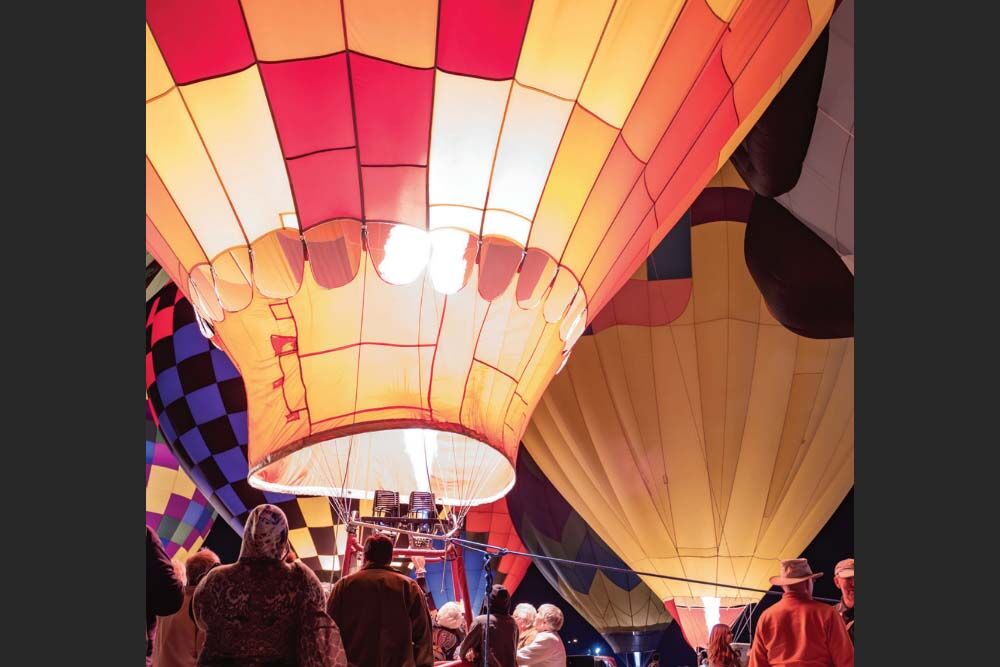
504	634
262	611
381	613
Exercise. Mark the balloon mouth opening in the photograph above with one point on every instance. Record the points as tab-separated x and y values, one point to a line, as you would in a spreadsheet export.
449	460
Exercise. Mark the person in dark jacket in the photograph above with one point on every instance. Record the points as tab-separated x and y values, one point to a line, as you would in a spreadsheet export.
503	633
164	589
381	613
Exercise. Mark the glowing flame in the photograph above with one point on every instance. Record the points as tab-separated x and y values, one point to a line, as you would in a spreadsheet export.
711	612
448	264
407	250
421	446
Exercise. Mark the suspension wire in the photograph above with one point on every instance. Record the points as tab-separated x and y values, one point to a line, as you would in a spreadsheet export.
501	551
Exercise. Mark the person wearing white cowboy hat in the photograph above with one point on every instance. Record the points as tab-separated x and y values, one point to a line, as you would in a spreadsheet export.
843	578
799	631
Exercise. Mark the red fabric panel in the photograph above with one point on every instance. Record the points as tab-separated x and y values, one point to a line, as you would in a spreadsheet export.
393	105
481	38
311	103
326	186
396	194
710	89
645	303
750	25
200	39
705	153
779	47
692	621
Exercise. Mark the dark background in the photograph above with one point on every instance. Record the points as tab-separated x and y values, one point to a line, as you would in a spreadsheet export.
833	543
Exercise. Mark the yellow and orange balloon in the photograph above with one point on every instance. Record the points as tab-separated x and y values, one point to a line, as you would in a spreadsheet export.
695	434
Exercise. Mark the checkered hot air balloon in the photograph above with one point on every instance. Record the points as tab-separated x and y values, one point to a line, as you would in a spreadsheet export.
175	508
200	404
399	217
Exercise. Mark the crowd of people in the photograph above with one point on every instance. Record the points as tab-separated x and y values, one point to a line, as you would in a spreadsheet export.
269	610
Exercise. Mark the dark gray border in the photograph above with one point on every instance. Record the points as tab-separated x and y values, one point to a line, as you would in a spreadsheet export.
926	399
73	321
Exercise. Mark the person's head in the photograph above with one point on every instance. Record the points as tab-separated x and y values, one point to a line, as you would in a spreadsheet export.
549	618
524	615
843	578
198	565
450	616
499	601
378	550
720	650
265	534
796	577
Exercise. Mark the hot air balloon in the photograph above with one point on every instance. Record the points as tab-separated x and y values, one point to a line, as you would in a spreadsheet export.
198	397
696	435
802	149
175	509
199	402
629	616
485	524
396	218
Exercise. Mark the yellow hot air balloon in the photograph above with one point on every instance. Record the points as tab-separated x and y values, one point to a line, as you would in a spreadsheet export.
397	217
696	435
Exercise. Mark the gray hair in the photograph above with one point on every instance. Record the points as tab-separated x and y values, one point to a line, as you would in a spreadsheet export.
552	616
526	610
450	616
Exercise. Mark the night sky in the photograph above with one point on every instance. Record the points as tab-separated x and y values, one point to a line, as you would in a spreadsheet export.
834	542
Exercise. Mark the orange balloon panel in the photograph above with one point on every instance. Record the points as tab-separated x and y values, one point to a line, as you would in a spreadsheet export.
397	216
704	441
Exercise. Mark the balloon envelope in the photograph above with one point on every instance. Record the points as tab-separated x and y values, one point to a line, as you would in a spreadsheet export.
399	217
175	508
692	431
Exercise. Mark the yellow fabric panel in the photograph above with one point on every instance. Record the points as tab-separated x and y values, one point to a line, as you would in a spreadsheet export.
183	486
724	9
301	540
464	314
316	511
234	119
164	256
708	448
162	212
506	225
175	150
329	319
293	29
582	153
532	129
468	114
252	352
158	79
403	32
158	488
559	44
632	40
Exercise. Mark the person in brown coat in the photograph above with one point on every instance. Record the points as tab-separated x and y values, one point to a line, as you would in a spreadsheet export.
164	589
178	640
382	614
